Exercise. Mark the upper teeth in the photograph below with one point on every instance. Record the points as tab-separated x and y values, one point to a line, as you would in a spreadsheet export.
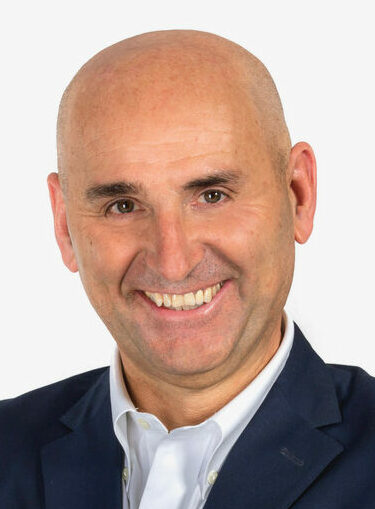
185	301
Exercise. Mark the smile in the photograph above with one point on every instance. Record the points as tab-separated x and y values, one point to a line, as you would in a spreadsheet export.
186	301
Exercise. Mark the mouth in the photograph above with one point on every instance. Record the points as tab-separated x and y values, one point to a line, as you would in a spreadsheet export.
186	301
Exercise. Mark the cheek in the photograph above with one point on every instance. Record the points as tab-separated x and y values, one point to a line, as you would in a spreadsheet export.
103	256
259	242
240	236
276	257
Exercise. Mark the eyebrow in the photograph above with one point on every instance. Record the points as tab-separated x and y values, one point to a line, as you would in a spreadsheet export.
214	179
114	189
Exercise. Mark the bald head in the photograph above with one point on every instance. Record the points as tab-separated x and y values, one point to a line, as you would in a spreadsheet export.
157	76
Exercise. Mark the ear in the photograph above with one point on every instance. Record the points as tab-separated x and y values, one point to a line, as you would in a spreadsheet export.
302	187
60	221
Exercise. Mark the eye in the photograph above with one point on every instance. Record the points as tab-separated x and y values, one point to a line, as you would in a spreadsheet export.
123	206
213	196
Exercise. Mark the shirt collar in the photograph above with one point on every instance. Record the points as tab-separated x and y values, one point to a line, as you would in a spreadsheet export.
120	399
121	403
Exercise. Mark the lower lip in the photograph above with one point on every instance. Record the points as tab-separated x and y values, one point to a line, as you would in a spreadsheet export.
189	314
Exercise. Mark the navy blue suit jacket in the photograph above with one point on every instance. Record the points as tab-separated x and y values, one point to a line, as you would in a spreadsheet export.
310	445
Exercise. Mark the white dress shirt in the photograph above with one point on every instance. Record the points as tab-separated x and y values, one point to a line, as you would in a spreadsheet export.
176	469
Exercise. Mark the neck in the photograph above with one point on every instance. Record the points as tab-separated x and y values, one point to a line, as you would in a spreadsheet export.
176	404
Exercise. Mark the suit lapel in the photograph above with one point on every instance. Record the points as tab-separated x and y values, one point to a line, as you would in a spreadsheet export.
83	468
282	451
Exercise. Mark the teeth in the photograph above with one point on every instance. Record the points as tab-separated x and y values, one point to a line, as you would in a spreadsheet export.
186	301
207	295
177	301
199	298
189	299
158	299
167	300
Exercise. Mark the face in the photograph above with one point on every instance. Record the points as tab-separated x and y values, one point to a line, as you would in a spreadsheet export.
172	201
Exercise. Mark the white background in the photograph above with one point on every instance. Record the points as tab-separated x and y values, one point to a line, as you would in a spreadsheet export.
321	55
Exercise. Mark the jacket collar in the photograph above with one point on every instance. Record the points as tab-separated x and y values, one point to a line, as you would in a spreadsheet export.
83	467
282	450
307	385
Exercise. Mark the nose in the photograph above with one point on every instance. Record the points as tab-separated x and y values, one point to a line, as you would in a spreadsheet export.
173	247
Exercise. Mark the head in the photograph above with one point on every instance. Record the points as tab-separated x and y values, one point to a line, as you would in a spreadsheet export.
176	173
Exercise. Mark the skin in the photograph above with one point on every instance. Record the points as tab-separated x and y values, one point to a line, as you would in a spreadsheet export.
159	111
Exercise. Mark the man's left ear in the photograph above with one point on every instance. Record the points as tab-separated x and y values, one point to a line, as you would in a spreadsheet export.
302	186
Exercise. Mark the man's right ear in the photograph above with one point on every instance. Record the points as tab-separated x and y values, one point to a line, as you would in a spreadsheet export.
60	221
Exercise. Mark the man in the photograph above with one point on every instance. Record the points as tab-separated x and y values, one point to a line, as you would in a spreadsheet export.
178	200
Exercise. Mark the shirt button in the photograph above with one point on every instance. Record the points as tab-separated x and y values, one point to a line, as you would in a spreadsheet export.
144	424
212	476
125	474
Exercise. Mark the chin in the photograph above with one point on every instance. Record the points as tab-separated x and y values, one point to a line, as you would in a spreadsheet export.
189	357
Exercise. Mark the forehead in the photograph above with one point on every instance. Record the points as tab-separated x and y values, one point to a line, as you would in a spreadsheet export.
165	129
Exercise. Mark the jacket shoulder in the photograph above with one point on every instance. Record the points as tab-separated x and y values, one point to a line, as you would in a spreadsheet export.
27	423
29	417
353	383
355	389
